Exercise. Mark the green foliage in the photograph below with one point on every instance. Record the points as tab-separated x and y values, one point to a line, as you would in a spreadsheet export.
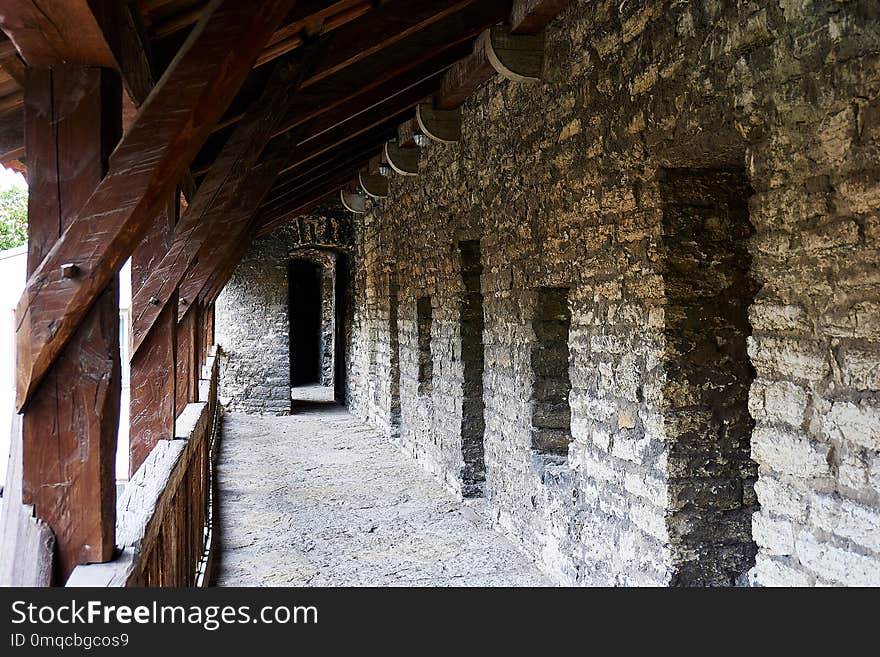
13	217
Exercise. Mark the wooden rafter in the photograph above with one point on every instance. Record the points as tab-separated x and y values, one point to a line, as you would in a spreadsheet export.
51	33
532	16
224	184
150	159
409	54
216	257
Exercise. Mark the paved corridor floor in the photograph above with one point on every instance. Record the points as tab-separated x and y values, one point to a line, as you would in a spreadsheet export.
321	499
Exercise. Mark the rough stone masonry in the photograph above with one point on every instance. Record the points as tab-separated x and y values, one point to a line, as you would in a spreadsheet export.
253	314
700	182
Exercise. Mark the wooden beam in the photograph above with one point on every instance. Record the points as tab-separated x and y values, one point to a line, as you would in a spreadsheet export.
188	350
14	67
532	16
516	53
293	194
404	161
129	47
222	188
329	187
398	35
12	135
387	25
465	77
379	122
353	202
517	57
410	56
406	133
218	256
334	133
342	107
171	126
51	33
356	150
235	221
345	98
153	411
73	121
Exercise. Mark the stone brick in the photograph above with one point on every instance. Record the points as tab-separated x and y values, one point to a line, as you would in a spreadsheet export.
846	519
769	571
778	401
774	535
790	452
855	423
837	564
801	359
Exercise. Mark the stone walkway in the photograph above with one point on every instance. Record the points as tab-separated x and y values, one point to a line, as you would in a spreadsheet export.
321	499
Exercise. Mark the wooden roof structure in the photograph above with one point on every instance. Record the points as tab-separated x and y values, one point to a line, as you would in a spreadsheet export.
252	110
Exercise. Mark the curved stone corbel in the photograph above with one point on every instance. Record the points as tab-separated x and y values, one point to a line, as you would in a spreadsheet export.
440	125
353	201
373	184
404	161
518	57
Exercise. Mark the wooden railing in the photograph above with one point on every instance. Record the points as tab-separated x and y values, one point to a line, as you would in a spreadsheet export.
164	528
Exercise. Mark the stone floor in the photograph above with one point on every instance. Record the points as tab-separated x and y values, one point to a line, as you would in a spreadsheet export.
321	499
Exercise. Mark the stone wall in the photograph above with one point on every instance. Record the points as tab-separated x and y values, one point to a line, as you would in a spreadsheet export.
252	321
702	352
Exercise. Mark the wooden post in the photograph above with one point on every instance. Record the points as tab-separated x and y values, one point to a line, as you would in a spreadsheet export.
187	355
153	367
73	120
207	330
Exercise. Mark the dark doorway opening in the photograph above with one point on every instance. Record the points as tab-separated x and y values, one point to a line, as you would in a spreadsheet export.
305	322
342	319
551	411
709	287
473	426
394	344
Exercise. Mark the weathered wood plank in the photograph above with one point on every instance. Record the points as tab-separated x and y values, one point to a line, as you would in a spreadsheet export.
165	494
291	197
14	67
223	186
358	150
532	16
12	135
153	399
73	121
188	357
406	133
330	132
330	186
50	33
414	62
388	24
236	220
465	77
153	388
171	126
413	56
500	50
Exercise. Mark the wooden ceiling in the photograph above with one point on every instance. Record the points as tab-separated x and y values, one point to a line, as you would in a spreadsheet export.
376	60
256	109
